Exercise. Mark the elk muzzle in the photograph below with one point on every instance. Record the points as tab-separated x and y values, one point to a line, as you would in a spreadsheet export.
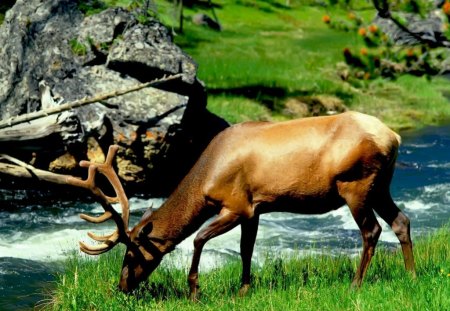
136	268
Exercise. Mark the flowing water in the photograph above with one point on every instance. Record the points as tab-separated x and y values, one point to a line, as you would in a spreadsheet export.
34	237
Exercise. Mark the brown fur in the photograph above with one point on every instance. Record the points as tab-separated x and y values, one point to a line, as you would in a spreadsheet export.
308	166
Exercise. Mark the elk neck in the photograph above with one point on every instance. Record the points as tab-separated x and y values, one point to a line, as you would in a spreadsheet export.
181	215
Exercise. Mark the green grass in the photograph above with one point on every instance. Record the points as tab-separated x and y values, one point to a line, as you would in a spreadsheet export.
5	5
288	52
269	52
316	282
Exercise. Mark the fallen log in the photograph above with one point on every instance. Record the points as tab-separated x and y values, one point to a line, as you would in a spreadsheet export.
39	128
28	171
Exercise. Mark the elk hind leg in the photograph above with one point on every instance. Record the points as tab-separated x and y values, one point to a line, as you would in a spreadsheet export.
360	204
249	230
399	223
370	232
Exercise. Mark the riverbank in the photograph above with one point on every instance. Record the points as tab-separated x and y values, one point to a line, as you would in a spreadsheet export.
270	57
314	282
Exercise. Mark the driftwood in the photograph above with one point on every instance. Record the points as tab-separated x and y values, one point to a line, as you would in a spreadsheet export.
39	128
23	170
81	102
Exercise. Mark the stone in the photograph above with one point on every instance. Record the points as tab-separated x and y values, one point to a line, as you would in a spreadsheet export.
300	107
161	130
204	20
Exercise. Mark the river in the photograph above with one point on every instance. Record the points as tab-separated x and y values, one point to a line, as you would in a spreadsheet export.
35	237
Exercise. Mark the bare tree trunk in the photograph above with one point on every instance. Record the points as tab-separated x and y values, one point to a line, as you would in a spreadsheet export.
180	15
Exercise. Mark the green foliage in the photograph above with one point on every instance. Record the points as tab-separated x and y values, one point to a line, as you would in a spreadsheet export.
343	3
5	5
421	7
90	7
235	109
290	52
272	51
379	57
77	47
145	10
311	282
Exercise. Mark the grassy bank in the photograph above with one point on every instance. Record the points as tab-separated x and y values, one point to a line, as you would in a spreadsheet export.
268	53
308	283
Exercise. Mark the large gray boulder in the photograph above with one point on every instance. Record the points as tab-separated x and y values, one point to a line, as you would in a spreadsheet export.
162	130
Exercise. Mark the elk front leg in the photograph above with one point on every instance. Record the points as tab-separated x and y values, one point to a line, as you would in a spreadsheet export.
249	229
224	222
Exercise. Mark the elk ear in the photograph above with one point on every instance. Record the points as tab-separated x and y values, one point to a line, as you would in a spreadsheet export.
148	212
149	226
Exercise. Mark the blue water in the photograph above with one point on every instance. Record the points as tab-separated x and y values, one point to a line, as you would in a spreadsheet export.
33	236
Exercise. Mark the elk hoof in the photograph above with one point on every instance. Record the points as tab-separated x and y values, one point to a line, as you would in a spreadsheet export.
244	290
194	296
355	285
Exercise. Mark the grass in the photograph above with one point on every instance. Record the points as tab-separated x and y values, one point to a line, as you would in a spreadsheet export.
268	53
316	282
4	6
289	52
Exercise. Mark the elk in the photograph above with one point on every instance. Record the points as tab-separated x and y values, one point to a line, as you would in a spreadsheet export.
308	166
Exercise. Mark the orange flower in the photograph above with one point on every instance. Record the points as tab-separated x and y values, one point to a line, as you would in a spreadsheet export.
410	53
446	7
373	28
364	52
326	19
362	32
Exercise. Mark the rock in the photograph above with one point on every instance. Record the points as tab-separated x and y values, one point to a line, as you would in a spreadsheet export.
95	152
204	20
300	107
101	53
64	163
146	52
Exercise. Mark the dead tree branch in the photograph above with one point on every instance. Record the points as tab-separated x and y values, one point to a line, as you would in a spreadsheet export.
23	170
382	6
82	102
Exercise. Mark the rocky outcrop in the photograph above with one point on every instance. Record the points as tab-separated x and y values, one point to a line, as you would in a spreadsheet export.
162	130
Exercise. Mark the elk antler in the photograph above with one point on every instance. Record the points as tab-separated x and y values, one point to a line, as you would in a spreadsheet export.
107	170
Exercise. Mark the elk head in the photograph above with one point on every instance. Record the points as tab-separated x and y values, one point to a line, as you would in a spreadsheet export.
141	256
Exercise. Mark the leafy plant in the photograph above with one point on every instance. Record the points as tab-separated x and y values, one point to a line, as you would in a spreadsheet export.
381	57
90	7
77	47
145	10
